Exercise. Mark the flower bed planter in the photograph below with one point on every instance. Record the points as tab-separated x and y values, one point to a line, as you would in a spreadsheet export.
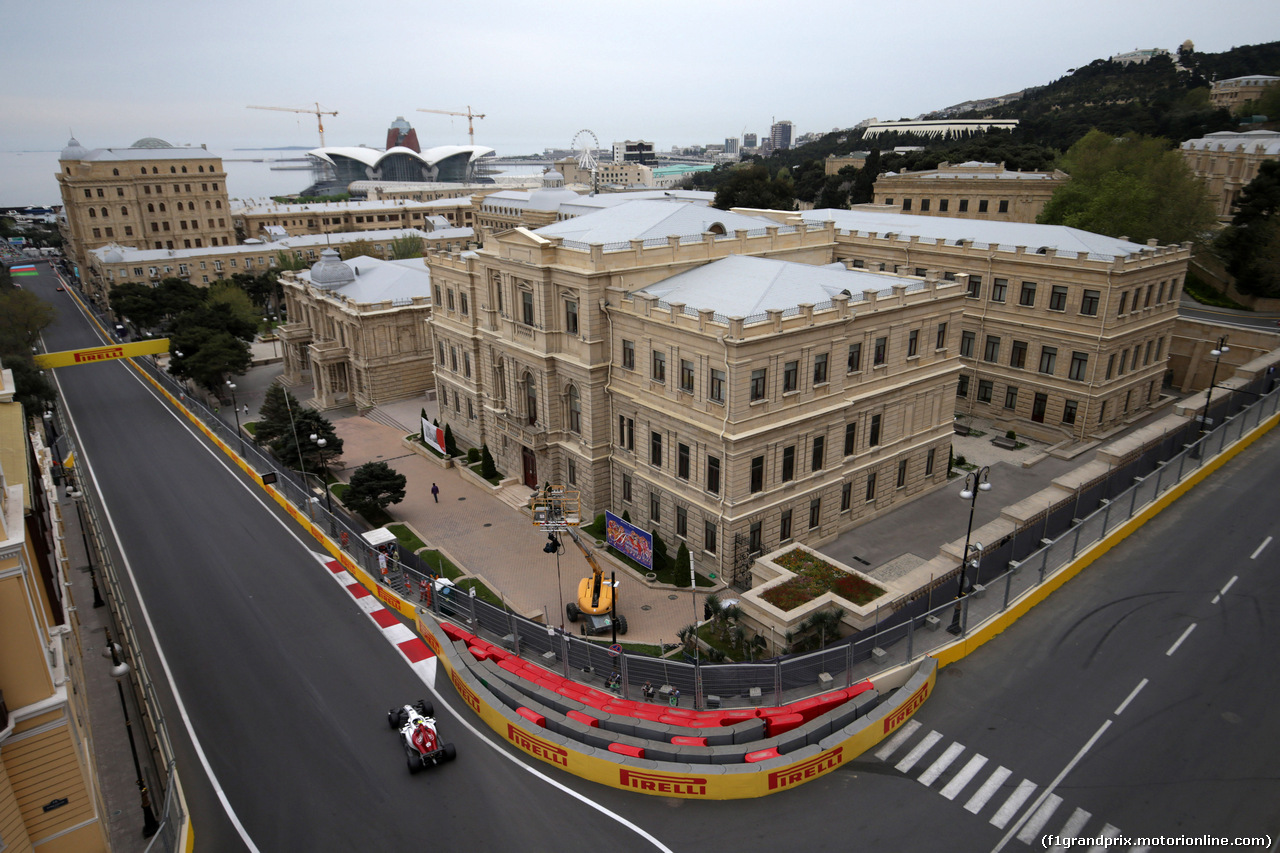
815	576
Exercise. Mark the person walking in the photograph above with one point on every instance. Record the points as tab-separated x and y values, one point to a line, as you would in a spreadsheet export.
246	410
435	492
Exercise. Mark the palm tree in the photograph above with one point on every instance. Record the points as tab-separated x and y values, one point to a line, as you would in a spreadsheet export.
825	623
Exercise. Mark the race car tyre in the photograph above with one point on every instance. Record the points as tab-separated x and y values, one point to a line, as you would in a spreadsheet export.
571	610
393	718
449	752
425	708
622	624
415	760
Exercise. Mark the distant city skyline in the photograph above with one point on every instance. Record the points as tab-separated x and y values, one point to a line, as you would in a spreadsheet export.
680	75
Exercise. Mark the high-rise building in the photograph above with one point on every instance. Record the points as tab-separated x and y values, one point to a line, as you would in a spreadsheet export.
780	134
401	134
749	140
637	151
150	195
731	145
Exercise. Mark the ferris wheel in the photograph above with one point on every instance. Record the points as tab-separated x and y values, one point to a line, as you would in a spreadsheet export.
586	144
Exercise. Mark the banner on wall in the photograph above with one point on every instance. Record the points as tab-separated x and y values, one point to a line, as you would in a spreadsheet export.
629	539
433	435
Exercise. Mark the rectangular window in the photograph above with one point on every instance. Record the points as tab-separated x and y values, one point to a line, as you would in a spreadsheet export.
659	367
984	390
713	474
1146	356
464	306
1124	300
682	461
466	364
942	205
906	204
1048	359
992	351
628	355
526	305
1004	206
1160	293
846	497
882	351
850	438
975	287
913	343
1111	364
999	288
1011	397
966	344
1089	303
1058	298
570	317
1018	355
964	205
709	537
855	357
871	486
815	513
874	439
686	376
682	522
626	488
820	368
819	451
655	448
1124	359
757	474
1150	289
655	507
1028	297
788	464
790	376
1159	348
755	540
759	379
1069	412
942	336
717	385
928	461
902	473
982	205
572	467
784	526
626	432
1079	364
924	205
962	387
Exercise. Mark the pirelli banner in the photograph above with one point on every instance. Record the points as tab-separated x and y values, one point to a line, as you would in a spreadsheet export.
689	781
70	358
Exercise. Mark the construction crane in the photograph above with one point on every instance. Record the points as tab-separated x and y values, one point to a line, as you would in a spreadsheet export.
317	112
471	130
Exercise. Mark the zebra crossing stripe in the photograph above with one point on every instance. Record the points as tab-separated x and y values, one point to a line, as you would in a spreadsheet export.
989	787
957	783
938	767
1031	829
1071	829
1108	832
1019	796
905	765
891	745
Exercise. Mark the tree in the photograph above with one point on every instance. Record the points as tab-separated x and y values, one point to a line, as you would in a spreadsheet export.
295	448
137	302
1134	187
408	246
23	316
450	444
238	303
682	563
290	261
355	249
863	190
750	185
374	486
175	296
660	559
1251	244
275	417
488	470
208	356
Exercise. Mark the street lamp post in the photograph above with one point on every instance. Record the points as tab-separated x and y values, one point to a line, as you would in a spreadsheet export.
1213	379
235	409
324	476
119	670
553	546
76	495
974	482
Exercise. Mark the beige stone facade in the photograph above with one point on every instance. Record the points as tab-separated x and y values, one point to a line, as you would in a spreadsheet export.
1229	94
155	197
363	341
45	738
627	174
1228	161
970	190
259	220
833	164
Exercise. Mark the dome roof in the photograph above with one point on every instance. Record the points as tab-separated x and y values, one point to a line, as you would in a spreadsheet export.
552	178
150	142
113	255
73	151
330	272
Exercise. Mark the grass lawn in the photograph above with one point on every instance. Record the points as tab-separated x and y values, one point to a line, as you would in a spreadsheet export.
813	577
1206	295
707	633
482	592
493	481
441	564
251	427
408	541
650	649
668	575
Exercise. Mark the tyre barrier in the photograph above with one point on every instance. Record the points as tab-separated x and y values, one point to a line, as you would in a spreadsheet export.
730	754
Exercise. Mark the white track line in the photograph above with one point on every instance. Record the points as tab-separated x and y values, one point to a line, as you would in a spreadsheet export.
989	787
1125	704
1178	642
966	774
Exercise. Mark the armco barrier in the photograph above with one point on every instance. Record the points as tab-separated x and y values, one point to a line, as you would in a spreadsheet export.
671	779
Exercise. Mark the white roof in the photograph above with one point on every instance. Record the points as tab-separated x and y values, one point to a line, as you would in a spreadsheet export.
252	207
371	156
742	286
982	233
183	153
381	281
1255	141
650	219
304	241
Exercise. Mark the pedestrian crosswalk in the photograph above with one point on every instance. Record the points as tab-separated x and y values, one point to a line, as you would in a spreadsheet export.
1022	806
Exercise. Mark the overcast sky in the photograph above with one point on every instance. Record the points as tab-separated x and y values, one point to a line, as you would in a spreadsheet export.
675	73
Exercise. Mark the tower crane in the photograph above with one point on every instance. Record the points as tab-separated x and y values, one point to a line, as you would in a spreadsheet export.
317	112
471	130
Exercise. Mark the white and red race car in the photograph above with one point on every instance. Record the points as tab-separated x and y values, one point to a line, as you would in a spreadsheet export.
421	742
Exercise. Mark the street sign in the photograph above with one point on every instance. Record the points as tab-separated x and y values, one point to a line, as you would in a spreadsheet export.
615	650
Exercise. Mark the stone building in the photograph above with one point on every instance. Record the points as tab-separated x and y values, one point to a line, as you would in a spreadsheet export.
970	190
1229	94
150	194
1228	161
50	798
358	331
258	219
1065	332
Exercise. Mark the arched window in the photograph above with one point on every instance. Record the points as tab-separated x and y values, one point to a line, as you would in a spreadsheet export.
500	382
184	170
218	204
142	170
115	172
104	213
162	207
154	170
207	205
575	410
93	213
530	398
151	208
173	170
124	211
